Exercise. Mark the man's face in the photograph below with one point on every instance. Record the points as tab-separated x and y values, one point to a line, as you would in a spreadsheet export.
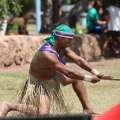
99	2
65	42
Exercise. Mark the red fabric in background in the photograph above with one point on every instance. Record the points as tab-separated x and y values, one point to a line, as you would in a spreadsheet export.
111	114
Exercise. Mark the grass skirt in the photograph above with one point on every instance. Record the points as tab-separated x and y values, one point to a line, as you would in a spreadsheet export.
32	90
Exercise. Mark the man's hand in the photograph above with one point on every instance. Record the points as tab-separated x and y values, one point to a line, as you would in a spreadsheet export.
104	77
95	79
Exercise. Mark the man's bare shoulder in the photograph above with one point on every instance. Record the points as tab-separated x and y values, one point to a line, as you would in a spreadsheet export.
49	60
47	55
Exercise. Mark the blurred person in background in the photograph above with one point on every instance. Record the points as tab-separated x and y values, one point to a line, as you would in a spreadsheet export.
113	29
94	24
90	3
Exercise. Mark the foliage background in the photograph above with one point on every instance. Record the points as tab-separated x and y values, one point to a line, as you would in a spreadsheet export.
9	6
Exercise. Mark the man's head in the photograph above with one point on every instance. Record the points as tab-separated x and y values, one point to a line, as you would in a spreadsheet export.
98	4
62	31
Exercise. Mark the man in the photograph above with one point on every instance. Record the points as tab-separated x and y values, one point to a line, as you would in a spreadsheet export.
41	93
113	29
94	24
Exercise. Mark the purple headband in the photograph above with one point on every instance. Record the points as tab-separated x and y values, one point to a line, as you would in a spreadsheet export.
64	34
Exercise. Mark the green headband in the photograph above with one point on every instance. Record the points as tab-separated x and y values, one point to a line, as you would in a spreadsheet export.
61	31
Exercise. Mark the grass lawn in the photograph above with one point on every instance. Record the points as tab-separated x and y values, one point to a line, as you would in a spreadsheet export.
102	95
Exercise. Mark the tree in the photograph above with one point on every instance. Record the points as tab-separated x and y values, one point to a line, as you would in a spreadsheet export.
27	5
7	7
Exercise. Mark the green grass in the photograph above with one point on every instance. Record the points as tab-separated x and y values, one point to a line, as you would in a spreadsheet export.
102	95
13	75
9	82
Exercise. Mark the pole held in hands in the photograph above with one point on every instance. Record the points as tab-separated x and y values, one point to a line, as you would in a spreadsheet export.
114	79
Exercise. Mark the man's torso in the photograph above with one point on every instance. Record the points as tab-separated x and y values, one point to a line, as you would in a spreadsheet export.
43	71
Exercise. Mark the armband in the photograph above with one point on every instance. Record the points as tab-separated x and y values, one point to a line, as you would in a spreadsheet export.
94	72
88	78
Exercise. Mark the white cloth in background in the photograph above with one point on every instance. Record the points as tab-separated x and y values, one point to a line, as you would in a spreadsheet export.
67	8
114	22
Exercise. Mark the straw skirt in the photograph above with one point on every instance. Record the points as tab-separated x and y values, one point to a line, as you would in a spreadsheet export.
32	91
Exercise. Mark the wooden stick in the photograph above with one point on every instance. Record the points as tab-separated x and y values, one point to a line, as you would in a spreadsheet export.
115	79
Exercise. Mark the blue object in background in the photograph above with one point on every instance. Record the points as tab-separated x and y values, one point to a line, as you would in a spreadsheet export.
38	15
99	29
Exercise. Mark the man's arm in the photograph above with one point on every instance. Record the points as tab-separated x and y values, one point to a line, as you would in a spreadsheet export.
94	16
78	60
52	61
100	22
84	64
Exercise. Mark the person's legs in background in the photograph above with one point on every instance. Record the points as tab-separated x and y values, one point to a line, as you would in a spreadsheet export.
72	19
116	39
105	45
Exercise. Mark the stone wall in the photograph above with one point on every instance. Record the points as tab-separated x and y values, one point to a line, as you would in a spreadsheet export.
20	49
87	46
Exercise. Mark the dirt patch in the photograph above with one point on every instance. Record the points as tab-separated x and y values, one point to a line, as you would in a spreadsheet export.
16	69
